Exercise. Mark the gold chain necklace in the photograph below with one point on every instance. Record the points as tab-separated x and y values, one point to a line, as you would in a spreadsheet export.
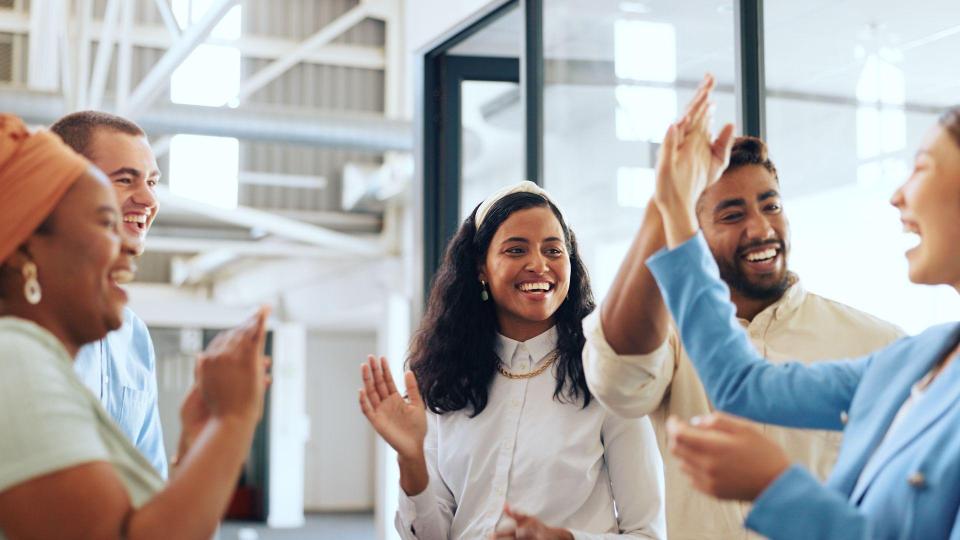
546	364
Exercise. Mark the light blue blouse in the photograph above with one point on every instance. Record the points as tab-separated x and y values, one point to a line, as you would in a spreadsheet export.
913	492
121	371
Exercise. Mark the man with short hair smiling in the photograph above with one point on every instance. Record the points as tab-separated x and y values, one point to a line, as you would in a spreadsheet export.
121	368
635	364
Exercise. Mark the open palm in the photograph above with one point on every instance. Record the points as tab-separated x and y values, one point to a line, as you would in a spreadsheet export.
401	422
689	161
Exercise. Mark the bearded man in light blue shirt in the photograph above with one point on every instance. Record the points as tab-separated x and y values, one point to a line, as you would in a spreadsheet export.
121	368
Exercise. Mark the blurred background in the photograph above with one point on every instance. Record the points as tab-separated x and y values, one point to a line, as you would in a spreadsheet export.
317	154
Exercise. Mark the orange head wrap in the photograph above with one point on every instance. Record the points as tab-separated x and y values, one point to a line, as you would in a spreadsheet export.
35	172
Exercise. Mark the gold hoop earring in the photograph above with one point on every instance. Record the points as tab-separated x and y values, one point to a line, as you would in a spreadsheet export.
484	295
31	286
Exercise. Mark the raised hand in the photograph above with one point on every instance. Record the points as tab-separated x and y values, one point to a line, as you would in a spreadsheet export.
688	162
725	456
527	527
231	372
401	422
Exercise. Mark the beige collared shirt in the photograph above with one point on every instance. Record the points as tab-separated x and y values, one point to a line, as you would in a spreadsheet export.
799	326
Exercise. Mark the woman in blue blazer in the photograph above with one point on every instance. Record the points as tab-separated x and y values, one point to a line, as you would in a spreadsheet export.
898	472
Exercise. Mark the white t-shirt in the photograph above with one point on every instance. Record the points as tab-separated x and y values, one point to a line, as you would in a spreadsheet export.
49	421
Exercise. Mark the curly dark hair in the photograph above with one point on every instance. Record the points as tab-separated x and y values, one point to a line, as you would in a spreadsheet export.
751	151
453	353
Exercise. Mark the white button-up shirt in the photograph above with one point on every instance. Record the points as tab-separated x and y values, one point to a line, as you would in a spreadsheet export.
799	326
583	469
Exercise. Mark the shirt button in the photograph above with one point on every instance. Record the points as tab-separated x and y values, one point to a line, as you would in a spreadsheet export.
515	403
500	491
917	480
844	417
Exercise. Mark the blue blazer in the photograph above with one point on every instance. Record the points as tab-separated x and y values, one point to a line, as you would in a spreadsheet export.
911	488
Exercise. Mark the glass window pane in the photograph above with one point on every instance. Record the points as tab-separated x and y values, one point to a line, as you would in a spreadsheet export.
617	73
851	89
491	140
491	113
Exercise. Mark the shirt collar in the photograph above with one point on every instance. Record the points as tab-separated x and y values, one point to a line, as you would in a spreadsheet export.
791	299
534	349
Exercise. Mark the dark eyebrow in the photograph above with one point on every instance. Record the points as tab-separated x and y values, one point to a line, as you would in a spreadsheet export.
553	239
127	170
515	239
727	203
767	195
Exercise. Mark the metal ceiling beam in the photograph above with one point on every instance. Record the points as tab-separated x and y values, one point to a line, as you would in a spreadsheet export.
45	28
243	248
195	270
367	132
296	55
82	48
101	65
159	76
251	46
168	19
125	55
273	224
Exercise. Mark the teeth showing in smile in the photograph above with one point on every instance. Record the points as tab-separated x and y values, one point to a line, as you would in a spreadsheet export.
913	239
135	218
121	276
538	286
764	255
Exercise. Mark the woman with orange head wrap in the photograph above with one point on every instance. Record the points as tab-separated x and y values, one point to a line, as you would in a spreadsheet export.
66	471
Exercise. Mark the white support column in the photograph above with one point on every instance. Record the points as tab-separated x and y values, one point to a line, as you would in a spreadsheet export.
84	25
46	32
67	78
158	77
393	337
125	55
395	61
168	19
279	66
289	426
101	66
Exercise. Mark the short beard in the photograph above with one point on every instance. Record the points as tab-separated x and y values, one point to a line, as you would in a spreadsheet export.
731	273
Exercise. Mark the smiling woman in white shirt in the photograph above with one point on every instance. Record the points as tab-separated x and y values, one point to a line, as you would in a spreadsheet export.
506	439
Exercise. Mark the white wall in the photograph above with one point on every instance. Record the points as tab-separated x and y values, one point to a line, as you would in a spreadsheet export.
340	449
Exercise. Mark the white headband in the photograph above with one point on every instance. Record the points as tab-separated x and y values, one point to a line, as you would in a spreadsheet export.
525	186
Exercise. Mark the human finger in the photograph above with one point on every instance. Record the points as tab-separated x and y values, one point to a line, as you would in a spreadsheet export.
413	390
378	381
366	374
387	376
669	145
701	93
366	407
721	148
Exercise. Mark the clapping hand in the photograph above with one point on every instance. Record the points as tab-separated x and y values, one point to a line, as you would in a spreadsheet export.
526	527
725	456
401	422
232	371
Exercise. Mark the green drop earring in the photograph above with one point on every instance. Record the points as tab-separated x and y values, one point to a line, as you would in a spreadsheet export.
484	295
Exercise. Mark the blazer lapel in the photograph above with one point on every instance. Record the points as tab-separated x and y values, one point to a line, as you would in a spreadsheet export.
862	436
939	397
